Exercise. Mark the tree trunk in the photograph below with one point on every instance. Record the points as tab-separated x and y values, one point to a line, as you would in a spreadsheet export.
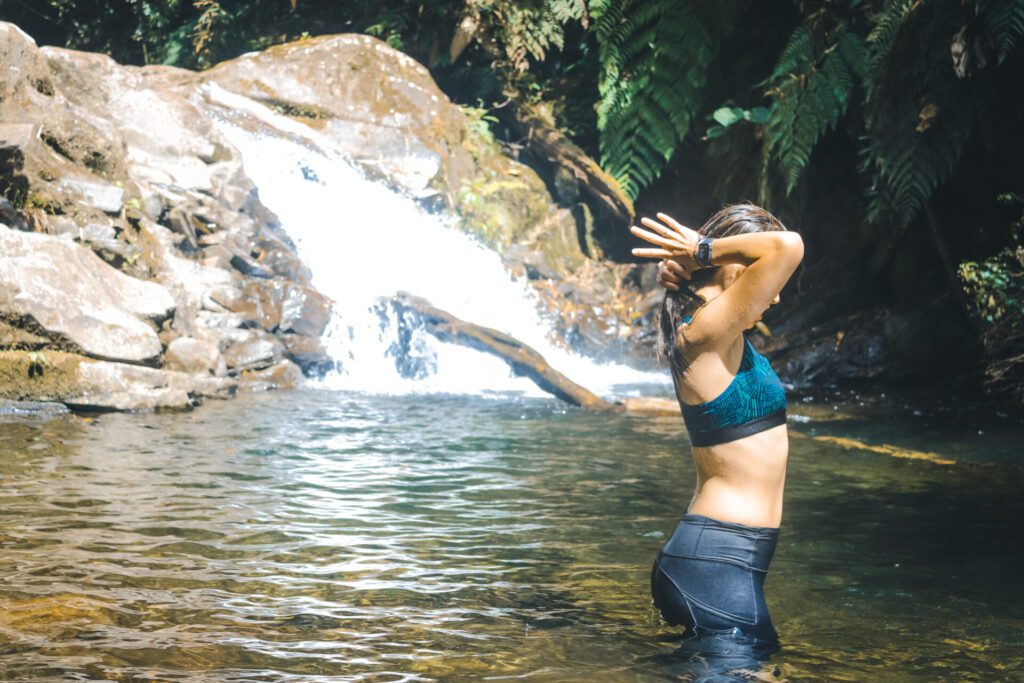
543	139
523	360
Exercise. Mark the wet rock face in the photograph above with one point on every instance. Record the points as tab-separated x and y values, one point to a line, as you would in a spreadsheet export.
151	221
383	111
874	349
74	296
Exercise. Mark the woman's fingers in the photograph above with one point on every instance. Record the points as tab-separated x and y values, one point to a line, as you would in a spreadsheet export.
652	253
670	286
652	238
655	225
675	268
674	224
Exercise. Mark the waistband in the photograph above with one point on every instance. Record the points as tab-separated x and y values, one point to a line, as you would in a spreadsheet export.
714	437
705	538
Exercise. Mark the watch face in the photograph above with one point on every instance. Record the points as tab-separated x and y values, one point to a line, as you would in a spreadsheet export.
704	252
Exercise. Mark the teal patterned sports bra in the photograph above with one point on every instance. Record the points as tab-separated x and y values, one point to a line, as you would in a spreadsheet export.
754	401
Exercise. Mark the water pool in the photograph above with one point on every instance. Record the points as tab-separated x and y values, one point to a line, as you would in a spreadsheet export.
331	536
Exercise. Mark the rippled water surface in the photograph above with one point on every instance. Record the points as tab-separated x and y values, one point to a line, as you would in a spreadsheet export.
316	535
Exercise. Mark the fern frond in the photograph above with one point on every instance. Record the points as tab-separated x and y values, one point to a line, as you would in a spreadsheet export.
1005	21
884	36
811	86
655	56
920	116
569	10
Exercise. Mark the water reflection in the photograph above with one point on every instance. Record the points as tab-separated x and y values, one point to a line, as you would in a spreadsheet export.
326	536
718	659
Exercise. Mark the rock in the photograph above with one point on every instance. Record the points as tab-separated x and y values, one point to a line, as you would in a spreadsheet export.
32	408
407	131
103	196
15	140
86	384
282	375
17	334
74	295
215	387
9	216
117	386
277	256
179	223
166	139
279	305
84	139
259	350
875	348
308	353
26	87
216	256
193	356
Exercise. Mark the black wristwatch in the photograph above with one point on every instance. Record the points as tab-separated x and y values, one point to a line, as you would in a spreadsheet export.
702	254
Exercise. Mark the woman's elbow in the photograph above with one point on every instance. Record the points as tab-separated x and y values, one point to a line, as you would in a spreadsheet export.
792	245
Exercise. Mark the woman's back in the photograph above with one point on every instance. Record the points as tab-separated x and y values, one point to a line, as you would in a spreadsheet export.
740	443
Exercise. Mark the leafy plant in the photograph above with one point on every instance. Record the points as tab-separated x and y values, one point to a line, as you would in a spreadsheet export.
996	289
811	89
654	58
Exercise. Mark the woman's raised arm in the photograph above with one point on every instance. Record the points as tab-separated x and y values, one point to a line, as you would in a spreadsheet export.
768	260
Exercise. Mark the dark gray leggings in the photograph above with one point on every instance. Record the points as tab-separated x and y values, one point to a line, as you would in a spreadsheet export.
709	577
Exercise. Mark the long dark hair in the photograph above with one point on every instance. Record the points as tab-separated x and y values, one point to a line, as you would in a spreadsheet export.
736	219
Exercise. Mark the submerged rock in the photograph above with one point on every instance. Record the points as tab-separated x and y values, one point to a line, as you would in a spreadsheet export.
32	408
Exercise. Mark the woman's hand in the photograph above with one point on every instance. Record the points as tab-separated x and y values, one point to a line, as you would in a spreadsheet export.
676	245
671	274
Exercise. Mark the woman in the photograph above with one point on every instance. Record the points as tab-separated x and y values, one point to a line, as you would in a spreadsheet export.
710	574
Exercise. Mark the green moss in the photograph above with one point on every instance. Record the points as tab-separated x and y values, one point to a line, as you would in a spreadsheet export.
499	208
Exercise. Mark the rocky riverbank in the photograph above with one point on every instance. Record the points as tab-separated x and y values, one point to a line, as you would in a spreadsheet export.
138	267
140	270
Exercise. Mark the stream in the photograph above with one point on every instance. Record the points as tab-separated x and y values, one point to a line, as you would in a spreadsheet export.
327	535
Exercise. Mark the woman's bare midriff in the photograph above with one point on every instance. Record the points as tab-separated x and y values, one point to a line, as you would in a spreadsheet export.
742	481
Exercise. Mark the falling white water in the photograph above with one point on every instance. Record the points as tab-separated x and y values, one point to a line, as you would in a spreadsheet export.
364	241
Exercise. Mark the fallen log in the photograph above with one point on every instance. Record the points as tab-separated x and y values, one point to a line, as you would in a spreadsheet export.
524	360
650	407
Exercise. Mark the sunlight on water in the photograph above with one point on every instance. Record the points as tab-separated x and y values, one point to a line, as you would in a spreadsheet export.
323	535
363	241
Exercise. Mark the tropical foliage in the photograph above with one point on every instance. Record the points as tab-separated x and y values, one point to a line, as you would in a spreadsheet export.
995	286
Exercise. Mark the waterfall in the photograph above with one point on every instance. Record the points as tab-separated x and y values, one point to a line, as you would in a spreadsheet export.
364	241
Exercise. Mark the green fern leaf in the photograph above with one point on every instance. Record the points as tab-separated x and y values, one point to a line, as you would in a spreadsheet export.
655	56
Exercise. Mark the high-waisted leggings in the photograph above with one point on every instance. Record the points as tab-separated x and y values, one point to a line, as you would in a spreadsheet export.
709	576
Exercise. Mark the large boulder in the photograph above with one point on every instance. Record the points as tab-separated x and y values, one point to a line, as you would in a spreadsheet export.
383	111
73	295
164	139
